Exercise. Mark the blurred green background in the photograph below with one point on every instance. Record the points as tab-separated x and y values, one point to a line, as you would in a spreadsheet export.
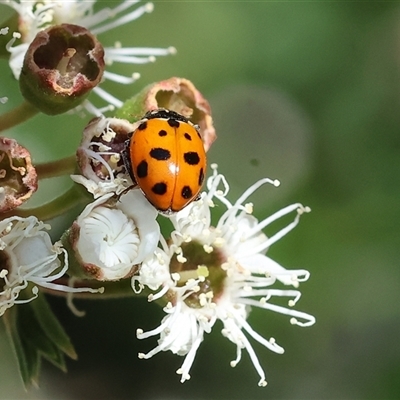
306	92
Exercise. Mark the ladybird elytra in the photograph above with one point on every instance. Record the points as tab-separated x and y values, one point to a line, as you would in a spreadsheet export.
168	160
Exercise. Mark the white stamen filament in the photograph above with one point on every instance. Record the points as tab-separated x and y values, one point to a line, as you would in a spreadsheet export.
253	357
96	156
107	97
111	58
268	293
9	45
274	217
159	294
309	319
140	51
188	362
98	112
135	14
234	362
253	188
270	241
91	20
126	80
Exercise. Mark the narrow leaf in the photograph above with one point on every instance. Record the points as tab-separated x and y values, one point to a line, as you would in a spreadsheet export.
32	333
32	360
52	327
57	359
10	321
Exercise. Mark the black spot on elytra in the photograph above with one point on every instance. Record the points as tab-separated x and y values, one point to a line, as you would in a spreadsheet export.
187	192
187	136
142	126
159	188
191	158
162	133
141	169
173	123
160	154
201	176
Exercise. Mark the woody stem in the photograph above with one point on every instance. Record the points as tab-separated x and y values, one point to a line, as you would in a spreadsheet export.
20	114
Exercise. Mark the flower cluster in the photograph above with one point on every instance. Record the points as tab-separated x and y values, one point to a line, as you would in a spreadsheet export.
204	269
208	272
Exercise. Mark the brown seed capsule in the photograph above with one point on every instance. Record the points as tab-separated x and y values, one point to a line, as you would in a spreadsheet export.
18	177
61	66
175	94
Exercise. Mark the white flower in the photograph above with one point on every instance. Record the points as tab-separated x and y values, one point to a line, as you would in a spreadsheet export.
35	16
28	258
154	272
111	239
99	156
219	272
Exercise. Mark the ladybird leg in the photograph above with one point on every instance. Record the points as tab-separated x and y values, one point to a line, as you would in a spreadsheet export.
198	197
125	191
127	161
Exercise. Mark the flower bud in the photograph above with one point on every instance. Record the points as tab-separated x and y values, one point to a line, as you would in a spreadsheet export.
61	66
17	175
176	94
112	237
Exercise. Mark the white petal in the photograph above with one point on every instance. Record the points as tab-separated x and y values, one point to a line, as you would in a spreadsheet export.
137	207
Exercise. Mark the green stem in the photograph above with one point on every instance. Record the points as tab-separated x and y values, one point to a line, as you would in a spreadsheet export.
18	115
71	198
65	166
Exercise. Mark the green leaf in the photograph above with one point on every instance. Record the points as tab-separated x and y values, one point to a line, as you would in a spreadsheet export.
57	359
52	327
10	321
34	336
33	362
34	333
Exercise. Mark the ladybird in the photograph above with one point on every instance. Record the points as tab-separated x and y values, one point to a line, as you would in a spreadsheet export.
165	157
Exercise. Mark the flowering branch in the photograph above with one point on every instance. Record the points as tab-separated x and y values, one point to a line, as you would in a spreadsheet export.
145	163
16	116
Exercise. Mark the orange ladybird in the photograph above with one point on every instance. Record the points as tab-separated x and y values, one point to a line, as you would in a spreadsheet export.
165	157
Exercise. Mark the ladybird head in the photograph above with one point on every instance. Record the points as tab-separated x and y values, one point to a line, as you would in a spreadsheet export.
163	113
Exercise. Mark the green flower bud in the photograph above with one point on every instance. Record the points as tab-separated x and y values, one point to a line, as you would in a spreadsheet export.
61	66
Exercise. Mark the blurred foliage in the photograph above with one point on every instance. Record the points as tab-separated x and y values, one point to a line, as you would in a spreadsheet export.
306	92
